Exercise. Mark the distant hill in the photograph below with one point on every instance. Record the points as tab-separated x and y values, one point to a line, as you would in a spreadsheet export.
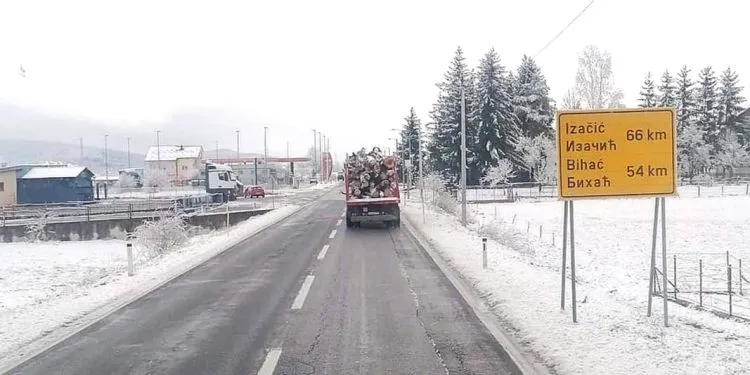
17	152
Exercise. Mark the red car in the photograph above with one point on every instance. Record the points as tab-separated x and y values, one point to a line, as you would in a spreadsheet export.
255	191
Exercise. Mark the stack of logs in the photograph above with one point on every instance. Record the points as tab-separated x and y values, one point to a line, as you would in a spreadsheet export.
371	175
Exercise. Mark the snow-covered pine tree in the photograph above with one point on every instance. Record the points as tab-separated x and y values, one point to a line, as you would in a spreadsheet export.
685	99
531	100
445	142
731	154
667	91
730	101
498	129
707	116
410	141
648	93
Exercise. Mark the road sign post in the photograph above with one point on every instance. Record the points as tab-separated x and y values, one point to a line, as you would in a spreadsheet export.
616	153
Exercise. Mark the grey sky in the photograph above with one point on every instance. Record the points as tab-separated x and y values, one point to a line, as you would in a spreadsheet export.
351	69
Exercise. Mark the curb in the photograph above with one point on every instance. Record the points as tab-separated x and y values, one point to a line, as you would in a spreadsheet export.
525	363
35	348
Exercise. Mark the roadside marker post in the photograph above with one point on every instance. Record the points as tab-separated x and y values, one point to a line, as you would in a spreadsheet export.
616	153
129	247
484	253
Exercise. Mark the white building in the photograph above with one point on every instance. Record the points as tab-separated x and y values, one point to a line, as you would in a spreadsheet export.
179	163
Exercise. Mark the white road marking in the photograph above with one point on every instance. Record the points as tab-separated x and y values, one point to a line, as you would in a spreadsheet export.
338	222
333	234
323	252
343	214
269	365
300	300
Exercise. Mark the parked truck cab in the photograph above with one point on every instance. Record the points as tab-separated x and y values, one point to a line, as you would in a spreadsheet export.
220	179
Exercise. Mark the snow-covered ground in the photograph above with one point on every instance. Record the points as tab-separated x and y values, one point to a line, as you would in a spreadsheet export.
48	286
685	191
613	244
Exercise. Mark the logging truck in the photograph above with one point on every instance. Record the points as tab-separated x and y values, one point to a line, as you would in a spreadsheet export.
368	209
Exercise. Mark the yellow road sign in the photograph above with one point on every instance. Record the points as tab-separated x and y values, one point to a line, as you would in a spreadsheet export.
616	153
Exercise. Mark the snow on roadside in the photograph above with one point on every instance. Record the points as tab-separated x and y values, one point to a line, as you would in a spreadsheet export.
44	287
613	335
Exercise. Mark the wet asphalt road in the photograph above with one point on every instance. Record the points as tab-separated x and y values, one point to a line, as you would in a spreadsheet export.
296	298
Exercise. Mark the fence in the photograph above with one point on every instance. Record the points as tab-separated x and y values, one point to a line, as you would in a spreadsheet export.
532	190
86	211
711	281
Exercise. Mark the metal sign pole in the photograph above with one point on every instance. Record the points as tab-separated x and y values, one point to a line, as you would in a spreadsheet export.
664	259
652	272
573	264
564	254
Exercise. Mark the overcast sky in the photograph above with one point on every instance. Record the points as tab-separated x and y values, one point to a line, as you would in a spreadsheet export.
351	69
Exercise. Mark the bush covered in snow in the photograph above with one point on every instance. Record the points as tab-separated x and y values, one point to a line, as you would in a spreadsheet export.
156	178
163	235
37	230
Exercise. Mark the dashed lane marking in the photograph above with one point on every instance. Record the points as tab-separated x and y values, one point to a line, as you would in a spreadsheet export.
333	234
338	222
300	300
323	252
269	365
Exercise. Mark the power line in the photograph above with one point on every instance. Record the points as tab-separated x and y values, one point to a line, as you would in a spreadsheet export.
565	28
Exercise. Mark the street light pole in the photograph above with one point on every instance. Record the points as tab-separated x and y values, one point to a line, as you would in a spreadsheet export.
265	152
158	151
106	161
463	156
315	152
320	157
128	152
238	147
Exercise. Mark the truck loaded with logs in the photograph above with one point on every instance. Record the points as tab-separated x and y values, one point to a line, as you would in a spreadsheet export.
371	184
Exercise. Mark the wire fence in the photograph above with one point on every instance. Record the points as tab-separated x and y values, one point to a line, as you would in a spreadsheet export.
533	190
711	281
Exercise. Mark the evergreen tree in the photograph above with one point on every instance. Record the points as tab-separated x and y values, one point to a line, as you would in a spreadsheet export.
648	94
410	141
445	142
498	130
667	91
707	116
531	100
685	99
730	100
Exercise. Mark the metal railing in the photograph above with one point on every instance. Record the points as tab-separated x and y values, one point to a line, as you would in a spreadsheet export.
87	211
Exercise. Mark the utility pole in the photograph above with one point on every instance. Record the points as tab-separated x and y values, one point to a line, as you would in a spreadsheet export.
128	152
421	176
463	156
217	150
106	161
238	147
323	159
265	153
158	151
320	157
315	154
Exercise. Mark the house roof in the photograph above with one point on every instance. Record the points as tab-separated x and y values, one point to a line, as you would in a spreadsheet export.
54	172
168	153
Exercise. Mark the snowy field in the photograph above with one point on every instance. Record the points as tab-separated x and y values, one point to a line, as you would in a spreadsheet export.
613	244
48	286
548	192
